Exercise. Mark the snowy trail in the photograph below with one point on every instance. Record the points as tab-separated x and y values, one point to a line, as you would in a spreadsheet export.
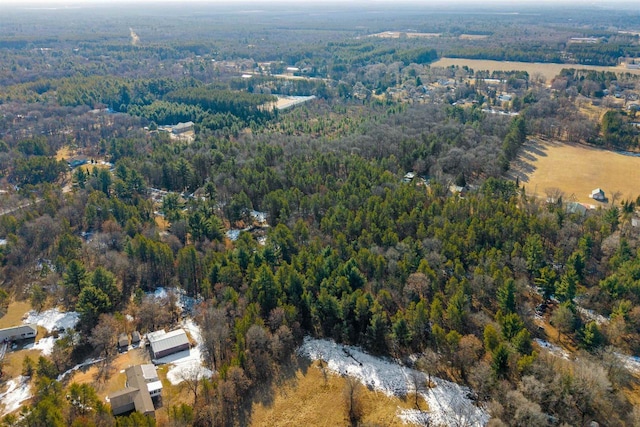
448	402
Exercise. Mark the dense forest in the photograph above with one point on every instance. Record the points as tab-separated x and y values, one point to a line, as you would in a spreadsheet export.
390	223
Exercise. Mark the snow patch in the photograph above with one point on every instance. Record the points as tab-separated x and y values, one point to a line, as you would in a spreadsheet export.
632	363
184	302
449	403
592	315
18	390
187	364
44	344
53	319
553	349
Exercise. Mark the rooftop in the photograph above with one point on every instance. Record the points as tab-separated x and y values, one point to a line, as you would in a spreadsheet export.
161	342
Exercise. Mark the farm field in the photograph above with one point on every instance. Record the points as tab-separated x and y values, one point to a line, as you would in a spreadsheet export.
576	170
549	71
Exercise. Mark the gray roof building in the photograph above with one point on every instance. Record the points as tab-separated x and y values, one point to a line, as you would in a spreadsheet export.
182	127
165	343
21	332
142	384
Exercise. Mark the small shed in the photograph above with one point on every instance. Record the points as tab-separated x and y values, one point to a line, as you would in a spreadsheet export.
123	340
135	337
598	194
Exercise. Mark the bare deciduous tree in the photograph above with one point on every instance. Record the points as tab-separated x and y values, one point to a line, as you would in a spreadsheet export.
353	400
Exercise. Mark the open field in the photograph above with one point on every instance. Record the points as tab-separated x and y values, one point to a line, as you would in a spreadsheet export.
473	36
549	71
576	170
409	35
312	398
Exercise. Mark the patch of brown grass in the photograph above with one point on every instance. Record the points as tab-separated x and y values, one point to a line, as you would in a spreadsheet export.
312	398
577	170
13	361
15	313
473	36
65	153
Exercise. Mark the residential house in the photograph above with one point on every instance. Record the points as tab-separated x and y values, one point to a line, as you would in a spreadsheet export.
598	195
141	387
16	333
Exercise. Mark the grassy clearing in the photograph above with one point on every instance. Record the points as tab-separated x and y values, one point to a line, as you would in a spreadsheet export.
549	71
577	170
65	153
15	313
311	398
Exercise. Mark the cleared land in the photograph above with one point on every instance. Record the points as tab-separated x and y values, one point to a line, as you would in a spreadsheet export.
576	170
549	71
409	35
314	398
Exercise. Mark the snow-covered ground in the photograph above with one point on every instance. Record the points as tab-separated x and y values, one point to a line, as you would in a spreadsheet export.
632	363
592	315
185	302
553	349
18	390
44	344
53	319
448	402
188	363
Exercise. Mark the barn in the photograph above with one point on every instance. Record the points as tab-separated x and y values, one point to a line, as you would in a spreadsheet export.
165	343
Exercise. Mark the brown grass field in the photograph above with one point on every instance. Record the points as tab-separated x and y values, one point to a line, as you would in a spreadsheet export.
549	71
15	313
473	36
312	399
576	170
397	34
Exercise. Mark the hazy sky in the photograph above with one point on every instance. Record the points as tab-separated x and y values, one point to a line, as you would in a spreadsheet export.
301	2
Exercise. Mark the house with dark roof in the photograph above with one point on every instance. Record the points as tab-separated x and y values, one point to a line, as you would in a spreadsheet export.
165	343
141	387
17	333
598	195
